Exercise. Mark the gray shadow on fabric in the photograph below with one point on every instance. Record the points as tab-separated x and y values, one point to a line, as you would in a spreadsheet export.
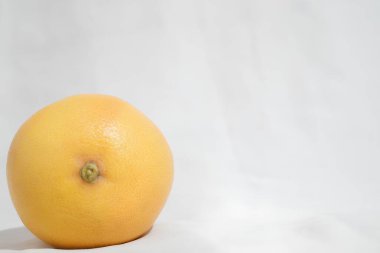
20	239
171	237
166	237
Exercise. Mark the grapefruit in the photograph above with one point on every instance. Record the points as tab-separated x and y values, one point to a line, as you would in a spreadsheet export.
89	171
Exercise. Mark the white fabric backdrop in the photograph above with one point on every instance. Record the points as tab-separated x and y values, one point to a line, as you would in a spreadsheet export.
271	109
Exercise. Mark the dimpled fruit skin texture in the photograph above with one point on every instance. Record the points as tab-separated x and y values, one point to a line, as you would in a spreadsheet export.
50	148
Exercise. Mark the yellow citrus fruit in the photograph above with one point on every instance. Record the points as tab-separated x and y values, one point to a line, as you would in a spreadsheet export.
89	171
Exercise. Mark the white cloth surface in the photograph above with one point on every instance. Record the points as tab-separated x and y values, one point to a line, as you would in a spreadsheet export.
271	109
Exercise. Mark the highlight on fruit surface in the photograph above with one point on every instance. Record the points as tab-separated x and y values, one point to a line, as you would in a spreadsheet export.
89	171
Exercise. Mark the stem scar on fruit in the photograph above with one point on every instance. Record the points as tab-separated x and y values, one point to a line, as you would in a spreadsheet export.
89	172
